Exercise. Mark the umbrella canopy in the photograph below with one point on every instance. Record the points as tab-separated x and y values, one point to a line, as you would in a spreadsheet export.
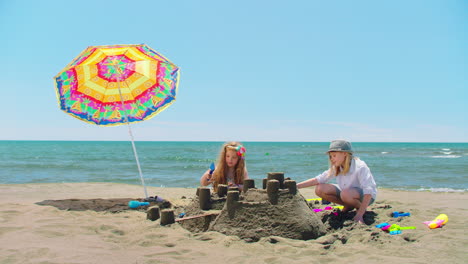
116	84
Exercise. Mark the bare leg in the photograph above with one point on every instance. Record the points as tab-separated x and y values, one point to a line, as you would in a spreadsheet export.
351	199
328	192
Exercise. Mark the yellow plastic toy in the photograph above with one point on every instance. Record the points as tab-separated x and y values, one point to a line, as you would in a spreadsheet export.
439	221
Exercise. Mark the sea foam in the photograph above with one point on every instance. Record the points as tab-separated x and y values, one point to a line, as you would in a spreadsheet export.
447	157
441	190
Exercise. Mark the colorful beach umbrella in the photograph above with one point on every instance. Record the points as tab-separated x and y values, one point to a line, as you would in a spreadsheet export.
113	85
117	84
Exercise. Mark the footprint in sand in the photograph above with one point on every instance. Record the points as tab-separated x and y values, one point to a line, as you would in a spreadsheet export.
9	214
112	229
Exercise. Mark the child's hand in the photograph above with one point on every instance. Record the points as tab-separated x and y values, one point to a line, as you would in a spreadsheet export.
359	219
209	179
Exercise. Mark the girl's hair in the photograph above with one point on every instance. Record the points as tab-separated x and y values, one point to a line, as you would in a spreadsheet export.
335	171
219	175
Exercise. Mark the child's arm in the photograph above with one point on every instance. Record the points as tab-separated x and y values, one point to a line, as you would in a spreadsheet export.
307	183
206	179
366	180
362	209
246	174
321	178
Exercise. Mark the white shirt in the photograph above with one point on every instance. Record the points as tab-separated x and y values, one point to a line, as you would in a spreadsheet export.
359	175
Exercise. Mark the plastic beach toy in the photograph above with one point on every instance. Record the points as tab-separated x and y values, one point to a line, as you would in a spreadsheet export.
439	221
329	208
212	168
323	201
396	229
400	214
393	229
382	225
136	204
320	210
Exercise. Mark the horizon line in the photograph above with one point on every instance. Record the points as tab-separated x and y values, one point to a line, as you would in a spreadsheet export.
253	141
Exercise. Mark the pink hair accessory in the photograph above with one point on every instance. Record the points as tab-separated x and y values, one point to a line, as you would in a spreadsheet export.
240	151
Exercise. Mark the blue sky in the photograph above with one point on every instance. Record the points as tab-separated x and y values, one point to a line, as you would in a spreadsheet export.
252	70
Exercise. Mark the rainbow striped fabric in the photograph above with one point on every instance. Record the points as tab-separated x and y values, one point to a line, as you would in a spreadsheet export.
114	84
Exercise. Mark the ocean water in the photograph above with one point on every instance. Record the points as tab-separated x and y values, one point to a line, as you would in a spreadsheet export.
403	166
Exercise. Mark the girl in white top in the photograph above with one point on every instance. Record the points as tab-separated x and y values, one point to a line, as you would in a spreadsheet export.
230	169
356	186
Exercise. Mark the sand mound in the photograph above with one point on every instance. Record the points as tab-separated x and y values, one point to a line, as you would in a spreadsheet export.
255	217
256	213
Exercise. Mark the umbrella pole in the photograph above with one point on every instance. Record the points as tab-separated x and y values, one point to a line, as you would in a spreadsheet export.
131	135
136	156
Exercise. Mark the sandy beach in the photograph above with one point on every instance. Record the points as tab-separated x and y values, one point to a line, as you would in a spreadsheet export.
32	233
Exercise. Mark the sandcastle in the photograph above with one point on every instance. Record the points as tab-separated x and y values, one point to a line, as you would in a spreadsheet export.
277	209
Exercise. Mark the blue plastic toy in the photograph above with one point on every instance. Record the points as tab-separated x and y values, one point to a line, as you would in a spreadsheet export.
398	214
382	225
212	168
136	204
